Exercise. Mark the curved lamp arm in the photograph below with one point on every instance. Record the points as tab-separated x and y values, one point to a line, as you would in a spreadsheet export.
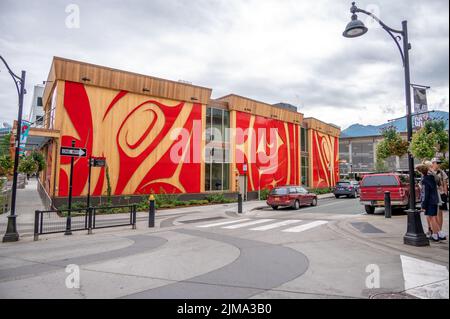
16	78
354	9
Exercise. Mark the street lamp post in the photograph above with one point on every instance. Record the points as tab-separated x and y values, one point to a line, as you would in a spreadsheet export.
414	235
11	230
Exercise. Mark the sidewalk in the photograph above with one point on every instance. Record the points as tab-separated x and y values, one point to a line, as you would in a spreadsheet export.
27	202
387	234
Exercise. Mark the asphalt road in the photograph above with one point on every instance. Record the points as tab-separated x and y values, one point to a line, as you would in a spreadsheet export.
211	252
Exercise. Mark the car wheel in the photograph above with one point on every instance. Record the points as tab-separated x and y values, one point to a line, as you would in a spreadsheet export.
314	202
337	196
369	209
275	207
296	205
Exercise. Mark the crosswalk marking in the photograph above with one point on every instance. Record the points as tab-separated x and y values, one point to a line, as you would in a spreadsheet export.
304	227
224	223
258	221
278	224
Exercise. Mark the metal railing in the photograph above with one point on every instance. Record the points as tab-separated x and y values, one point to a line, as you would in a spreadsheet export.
5	200
66	221
45	197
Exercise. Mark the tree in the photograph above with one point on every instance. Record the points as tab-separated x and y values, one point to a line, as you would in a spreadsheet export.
4	144
429	140
27	165
391	145
6	165
39	159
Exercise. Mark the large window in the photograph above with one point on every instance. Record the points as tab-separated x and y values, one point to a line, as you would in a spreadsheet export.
305	171
362	156
304	140
217	167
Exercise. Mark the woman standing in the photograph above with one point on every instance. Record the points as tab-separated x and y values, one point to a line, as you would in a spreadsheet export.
430	200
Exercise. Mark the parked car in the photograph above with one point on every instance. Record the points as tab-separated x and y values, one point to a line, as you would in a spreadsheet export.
290	196
373	186
346	188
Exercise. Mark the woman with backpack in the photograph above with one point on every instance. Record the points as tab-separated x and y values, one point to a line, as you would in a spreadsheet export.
430	201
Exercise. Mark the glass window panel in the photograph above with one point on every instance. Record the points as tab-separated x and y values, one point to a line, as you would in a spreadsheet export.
226	176
208	125
217	124
207	176
216	176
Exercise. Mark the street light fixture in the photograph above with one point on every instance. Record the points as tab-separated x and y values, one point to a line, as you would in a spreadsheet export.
414	235
11	230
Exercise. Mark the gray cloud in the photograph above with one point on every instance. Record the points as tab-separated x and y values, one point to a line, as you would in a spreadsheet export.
273	51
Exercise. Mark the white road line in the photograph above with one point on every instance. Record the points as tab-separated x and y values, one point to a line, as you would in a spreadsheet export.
224	223
424	279
278	224
304	227
254	222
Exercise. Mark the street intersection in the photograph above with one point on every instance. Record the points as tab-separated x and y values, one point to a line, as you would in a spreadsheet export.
333	250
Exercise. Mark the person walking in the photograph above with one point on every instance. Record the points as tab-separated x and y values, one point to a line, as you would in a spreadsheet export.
442	183
430	202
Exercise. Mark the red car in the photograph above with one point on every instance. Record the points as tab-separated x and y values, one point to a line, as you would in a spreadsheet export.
373	187
291	196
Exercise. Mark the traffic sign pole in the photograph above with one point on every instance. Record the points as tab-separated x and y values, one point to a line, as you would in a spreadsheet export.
69	217
88	203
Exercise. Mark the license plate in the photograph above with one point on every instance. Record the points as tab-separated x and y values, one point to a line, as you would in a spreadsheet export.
277	199
380	202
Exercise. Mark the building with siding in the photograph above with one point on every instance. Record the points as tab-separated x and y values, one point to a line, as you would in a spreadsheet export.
165	136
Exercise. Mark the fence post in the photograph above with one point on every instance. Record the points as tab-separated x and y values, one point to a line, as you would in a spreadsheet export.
387	205
89	209
133	212
151	212
36	225
239	203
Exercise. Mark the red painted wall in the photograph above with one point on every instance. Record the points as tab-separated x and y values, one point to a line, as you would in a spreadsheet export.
325	159
170	176
285	166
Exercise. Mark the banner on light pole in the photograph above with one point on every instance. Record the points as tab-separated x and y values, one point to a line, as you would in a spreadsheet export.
25	130
420	106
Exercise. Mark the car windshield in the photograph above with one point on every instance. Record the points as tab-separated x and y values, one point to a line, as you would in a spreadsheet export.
343	184
279	191
380	180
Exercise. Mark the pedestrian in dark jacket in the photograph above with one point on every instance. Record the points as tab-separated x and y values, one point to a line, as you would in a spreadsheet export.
430	200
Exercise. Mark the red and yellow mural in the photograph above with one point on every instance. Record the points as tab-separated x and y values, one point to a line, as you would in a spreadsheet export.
132	132
324	159
270	149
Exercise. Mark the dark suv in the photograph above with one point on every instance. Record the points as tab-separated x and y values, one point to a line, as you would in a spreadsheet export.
346	188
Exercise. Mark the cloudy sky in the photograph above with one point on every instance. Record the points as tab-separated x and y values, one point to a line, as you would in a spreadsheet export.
269	50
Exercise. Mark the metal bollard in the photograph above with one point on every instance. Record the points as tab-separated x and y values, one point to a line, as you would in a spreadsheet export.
69	223
134	217
151	212
239	203
36	225
90	221
387	205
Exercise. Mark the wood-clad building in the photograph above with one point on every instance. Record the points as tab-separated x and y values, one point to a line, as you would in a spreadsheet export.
165	136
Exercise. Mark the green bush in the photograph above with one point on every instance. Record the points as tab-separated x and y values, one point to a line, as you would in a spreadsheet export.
216	198
264	193
6	165
320	191
39	159
27	165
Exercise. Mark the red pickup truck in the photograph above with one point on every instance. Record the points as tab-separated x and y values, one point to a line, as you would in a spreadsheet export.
373	186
